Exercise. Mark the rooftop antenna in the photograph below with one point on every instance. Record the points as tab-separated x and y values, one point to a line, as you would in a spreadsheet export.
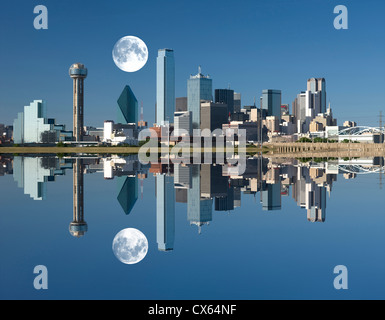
199	70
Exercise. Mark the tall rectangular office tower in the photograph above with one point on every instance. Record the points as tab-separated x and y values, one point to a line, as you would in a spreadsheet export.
318	84
225	96
165	212
199	87
165	86
271	101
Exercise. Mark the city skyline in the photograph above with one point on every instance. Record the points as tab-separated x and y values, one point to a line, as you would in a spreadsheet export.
250	77
192	151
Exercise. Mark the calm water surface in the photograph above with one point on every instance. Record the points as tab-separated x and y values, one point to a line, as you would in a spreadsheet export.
275	231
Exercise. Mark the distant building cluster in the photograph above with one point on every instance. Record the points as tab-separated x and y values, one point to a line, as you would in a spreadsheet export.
270	121
6	133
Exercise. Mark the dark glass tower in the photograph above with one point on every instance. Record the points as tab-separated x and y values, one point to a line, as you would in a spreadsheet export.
225	96
128	193
128	107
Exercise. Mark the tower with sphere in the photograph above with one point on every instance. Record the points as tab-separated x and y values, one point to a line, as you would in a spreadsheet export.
78	72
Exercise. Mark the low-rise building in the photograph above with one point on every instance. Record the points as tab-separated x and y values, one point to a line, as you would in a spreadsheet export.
118	133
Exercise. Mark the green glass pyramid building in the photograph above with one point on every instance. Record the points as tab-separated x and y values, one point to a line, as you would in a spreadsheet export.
128	107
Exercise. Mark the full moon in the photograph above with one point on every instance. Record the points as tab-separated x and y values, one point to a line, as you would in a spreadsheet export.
130	246
130	54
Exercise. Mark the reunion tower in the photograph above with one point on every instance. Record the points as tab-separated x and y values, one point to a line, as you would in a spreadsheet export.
78	72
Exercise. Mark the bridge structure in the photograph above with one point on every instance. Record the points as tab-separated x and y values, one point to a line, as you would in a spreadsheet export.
360	130
360	169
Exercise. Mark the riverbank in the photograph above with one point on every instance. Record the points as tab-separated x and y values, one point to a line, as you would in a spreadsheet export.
270	149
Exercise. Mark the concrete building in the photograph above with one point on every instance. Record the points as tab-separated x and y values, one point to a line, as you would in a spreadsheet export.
182	176
181	104
165	87
349	124
182	123
321	121
213	115
30	124
120	133
284	110
199	87
97	133
252	129
78	72
272	124
288	125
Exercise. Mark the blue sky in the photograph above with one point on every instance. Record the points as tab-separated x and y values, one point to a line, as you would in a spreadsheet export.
249	45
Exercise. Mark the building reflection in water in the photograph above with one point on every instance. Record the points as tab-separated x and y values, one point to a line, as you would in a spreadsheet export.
78	227
201	187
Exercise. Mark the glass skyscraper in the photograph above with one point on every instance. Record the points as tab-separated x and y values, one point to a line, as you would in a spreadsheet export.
271	101
165	86
128	107
165	212
199	210
225	96
199	87
128	192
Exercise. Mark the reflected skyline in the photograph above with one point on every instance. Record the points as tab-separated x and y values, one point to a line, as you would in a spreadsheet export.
201	188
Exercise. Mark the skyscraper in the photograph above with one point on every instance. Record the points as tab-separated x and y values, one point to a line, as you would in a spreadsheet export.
182	123
128	192
180	104
78	72
31	123
165	86
271	101
165	212
225	96
271	196
128	107
306	106
318	84
199	87
199	210
213	115
237	102
30	175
